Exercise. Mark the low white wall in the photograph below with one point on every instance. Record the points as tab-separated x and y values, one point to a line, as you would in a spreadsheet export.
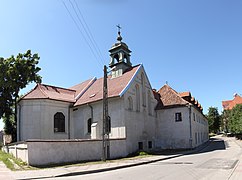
44	152
18	150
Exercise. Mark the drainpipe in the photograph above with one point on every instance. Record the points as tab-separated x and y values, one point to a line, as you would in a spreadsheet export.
69	133
18	123
91	112
190	124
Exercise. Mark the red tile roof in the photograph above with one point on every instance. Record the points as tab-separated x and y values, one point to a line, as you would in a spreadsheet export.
169	97
42	91
185	94
228	105
88	91
115	87
82	87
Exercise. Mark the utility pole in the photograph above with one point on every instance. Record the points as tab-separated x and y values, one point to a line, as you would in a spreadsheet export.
105	140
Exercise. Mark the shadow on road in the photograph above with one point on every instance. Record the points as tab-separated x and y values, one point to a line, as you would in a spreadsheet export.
213	144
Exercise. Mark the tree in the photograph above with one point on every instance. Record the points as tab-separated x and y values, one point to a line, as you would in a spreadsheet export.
235	120
16	73
213	119
225	119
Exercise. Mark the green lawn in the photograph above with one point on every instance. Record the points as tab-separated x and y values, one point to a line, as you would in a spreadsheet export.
13	163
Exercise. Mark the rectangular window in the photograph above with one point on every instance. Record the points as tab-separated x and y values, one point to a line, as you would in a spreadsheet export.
194	117
150	144
140	145
178	116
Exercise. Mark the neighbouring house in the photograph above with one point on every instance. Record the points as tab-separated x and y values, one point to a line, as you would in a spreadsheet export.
57	125
229	104
181	123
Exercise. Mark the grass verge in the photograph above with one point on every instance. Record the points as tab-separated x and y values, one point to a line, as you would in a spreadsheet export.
12	163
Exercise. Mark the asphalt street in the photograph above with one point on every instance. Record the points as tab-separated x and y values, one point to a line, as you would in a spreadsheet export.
218	160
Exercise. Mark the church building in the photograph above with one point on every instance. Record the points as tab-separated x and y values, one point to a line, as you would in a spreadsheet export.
140	118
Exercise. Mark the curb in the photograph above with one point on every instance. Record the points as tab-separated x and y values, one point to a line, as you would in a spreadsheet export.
117	167
203	146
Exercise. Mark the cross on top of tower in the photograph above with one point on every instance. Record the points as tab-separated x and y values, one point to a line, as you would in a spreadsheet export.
119	27
119	38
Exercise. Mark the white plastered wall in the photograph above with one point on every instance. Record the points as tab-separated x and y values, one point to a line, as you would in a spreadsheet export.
36	119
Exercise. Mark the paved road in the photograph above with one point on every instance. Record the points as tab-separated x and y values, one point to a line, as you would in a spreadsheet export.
217	161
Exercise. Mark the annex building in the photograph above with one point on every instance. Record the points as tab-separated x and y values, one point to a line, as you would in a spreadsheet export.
57	125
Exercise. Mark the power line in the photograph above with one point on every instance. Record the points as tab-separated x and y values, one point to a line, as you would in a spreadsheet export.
79	29
89	33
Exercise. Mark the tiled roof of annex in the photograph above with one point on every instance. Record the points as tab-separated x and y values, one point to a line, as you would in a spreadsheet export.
169	98
228	105
42	91
86	92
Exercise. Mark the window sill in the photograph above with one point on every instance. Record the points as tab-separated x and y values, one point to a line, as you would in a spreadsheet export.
60	132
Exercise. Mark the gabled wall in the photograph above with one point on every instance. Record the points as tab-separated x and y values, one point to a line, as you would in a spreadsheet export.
139	123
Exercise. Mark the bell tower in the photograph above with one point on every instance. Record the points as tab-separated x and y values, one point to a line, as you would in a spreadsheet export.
120	56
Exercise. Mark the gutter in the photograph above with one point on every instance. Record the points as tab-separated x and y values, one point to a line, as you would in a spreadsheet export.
18	123
91	112
69	133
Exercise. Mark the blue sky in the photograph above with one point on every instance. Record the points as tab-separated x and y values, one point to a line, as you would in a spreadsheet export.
194	45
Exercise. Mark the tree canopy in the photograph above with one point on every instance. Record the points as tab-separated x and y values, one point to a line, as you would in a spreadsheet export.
235	120
213	119
16	73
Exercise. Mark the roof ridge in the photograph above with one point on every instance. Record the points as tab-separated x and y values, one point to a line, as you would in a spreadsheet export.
28	92
39	86
90	83
174	92
58	87
177	94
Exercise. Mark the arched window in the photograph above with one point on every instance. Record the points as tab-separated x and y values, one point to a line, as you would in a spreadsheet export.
143	89
89	125
137	92
59	122
130	103
149	104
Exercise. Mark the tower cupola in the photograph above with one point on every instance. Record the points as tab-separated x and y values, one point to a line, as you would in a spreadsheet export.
120	56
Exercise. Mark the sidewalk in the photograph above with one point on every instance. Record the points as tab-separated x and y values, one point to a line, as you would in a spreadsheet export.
5	173
237	172
99	167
